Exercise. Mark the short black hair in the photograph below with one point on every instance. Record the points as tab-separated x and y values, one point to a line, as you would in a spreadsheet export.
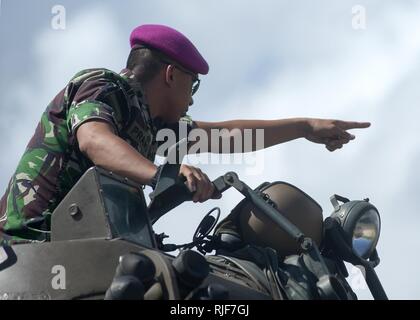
146	61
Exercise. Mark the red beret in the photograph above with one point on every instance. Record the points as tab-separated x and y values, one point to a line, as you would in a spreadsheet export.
172	43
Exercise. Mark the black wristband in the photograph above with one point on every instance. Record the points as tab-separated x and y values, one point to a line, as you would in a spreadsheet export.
156	177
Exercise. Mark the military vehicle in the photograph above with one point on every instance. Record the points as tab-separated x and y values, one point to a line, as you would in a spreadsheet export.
100	244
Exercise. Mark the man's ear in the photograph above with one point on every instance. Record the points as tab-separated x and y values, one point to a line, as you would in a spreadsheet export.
169	74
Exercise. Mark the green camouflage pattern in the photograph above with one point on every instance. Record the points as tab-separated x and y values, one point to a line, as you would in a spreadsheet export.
52	162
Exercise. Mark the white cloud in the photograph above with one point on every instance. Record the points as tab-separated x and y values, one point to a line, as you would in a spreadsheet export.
92	39
355	84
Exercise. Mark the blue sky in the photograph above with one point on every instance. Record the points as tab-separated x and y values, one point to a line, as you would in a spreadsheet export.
268	60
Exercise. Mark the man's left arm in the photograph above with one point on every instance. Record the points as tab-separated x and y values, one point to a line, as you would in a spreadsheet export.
332	133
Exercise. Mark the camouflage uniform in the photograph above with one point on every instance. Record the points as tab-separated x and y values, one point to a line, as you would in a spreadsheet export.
52	162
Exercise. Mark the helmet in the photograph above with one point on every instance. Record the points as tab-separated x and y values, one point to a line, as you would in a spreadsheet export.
253	227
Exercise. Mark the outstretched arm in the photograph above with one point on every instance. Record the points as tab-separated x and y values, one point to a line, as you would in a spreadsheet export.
332	133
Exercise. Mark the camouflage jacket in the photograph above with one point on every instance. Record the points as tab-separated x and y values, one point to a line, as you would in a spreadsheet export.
52	162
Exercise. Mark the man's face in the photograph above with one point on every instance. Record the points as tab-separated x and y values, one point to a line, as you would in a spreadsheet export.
180	91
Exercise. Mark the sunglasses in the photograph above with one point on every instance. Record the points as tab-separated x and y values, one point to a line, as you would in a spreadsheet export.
196	80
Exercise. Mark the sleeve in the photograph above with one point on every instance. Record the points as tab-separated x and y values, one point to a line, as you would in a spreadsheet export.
98	100
89	110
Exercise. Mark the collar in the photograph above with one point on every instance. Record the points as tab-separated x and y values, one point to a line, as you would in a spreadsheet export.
129	76
139	96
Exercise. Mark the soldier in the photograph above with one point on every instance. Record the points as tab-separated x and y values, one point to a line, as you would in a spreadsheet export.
111	120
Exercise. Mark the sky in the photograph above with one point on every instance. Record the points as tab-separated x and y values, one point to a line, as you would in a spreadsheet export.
268	60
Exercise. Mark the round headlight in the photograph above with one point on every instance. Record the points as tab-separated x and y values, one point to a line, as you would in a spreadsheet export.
366	233
361	222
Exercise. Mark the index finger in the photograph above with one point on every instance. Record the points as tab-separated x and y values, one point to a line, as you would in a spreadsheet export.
353	125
